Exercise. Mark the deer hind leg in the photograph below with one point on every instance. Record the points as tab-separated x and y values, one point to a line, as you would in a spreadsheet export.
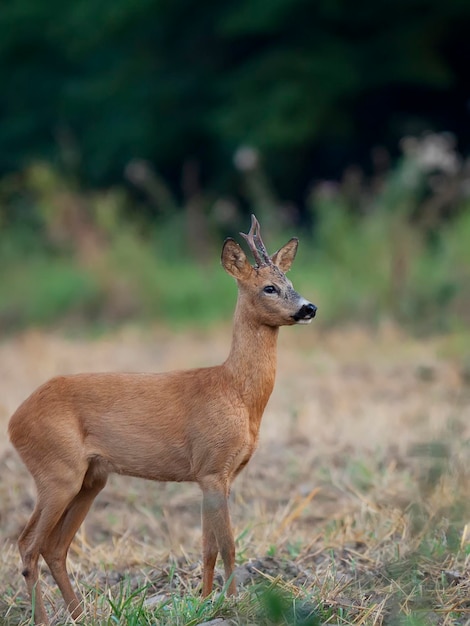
58	542
53	499
217	533
30	558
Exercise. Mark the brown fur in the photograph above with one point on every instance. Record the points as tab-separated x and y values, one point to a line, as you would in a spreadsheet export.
197	425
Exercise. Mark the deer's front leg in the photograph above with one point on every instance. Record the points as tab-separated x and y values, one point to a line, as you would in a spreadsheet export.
209	550
217	535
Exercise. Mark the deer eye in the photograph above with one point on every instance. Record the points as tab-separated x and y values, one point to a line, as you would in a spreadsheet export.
270	289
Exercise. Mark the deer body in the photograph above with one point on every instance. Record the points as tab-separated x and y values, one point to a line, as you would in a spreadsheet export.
197	425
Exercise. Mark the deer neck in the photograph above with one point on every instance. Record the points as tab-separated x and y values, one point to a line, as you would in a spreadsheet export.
251	363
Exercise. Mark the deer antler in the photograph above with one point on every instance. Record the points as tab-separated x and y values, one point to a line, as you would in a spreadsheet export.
256	244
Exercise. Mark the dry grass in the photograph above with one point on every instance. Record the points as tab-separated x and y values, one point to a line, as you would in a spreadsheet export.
356	506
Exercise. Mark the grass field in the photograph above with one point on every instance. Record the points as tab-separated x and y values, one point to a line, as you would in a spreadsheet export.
354	510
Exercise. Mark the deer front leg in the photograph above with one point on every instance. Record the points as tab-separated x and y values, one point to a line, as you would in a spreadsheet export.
209	551
217	534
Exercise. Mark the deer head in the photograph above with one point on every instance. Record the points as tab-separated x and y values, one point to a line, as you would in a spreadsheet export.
264	288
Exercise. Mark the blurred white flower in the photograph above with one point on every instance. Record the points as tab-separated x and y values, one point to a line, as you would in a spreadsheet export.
433	151
246	158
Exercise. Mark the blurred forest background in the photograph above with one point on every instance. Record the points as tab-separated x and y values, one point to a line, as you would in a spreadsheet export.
135	136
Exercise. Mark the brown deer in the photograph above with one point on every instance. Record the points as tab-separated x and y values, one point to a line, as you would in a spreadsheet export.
197	425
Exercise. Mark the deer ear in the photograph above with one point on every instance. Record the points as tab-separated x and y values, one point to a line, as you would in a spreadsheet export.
285	256
234	260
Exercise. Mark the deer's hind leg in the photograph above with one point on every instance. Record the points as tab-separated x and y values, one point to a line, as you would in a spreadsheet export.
54	496
58	542
30	557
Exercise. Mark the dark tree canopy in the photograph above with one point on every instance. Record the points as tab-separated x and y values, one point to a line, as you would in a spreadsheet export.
313	85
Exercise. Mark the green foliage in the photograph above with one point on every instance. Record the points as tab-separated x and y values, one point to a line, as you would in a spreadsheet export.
394	257
281	607
89	257
266	605
40	291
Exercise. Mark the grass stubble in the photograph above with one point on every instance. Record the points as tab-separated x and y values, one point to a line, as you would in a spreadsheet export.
354	510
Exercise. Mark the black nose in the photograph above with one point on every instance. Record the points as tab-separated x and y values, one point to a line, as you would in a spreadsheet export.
306	312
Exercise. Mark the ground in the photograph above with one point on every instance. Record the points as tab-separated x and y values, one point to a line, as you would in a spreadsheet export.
356	503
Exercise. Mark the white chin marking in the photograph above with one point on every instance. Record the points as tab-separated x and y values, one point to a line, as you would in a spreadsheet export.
305	321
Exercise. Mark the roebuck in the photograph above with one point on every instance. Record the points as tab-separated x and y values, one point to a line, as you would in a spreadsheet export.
195	425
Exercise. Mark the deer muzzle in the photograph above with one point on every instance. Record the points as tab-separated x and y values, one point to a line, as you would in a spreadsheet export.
305	314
